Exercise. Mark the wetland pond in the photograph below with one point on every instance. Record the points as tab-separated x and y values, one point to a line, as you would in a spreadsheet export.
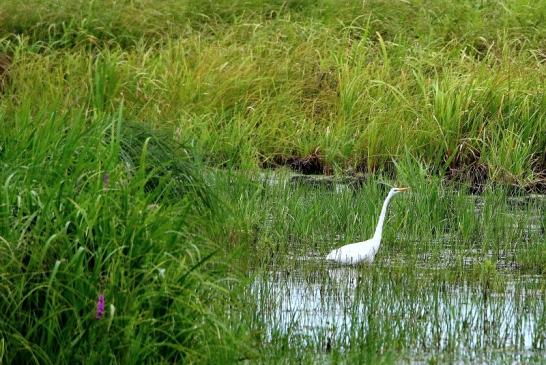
463	284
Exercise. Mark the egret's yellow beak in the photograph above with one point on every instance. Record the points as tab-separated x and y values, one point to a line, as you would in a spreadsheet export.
401	190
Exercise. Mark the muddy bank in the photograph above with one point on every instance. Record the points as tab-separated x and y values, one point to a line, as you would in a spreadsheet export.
312	169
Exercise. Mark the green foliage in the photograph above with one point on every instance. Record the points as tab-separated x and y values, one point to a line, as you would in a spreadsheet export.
91	206
354	83
114	112
458	277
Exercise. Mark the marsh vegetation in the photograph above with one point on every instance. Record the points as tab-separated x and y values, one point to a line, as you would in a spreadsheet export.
152	207
458	278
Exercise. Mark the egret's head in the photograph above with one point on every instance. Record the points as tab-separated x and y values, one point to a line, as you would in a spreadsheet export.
399	190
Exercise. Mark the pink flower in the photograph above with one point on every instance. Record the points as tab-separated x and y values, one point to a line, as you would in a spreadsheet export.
100	307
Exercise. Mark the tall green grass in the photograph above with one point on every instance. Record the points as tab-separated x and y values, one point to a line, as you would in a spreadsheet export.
283	219
94	206
252	83
458	277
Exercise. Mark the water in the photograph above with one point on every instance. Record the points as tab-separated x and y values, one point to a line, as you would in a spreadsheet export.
324	306
458	279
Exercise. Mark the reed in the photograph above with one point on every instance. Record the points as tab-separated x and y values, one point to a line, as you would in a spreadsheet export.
251	83
458	277
96	207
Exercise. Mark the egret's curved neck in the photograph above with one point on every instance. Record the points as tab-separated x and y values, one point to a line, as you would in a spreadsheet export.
379	228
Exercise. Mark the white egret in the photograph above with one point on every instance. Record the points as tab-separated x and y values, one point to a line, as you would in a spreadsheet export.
356	253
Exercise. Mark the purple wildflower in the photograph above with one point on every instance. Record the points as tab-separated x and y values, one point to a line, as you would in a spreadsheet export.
100	307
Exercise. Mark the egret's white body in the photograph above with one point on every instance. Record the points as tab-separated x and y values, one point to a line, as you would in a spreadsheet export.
355	253
359	252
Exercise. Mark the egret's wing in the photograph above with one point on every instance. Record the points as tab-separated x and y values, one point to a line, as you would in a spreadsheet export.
352	253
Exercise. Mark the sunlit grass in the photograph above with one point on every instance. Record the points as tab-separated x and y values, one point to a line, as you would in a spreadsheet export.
260	83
